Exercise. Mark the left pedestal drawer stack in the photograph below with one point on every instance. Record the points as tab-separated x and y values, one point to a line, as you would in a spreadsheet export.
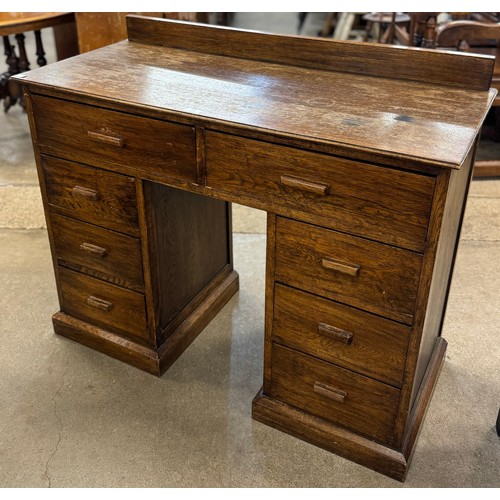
93	214
141	266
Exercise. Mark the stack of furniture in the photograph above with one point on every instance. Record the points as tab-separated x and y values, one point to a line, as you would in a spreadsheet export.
362	167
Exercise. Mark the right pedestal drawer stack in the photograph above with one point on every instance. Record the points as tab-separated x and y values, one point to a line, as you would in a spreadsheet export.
352	352
344	304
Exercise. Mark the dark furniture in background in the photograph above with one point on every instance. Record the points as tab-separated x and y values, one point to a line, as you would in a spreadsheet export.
478	38
16	24
138	170
391	26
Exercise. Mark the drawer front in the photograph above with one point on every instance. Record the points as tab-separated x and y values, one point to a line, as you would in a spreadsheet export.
355	402
91	194
99	252
348	337
379	203
103	304
110	139
357	272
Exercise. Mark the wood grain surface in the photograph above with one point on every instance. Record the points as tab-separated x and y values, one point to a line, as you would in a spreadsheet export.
388	278
369	407
126	313
422	121
378	346
430	66
112	203
106	138
328	436
361	155
104	254
383	204
12	23
190	247
445	246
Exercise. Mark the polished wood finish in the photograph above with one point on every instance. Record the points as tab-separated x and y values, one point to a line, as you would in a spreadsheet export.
98	29
452	34
190	248
91	195
310	108
450	210
365	204
393	206
386	460
103	304
104	254
314	53
353	339
115	140
385	281
424	396
150	359
362	404
17	23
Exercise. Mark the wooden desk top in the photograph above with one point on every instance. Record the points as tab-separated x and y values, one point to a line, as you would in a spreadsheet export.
431	120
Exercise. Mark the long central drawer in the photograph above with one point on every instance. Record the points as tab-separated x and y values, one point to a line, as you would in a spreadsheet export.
382	204
372	276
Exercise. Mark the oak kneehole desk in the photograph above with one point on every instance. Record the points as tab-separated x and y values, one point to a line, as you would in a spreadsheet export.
362	156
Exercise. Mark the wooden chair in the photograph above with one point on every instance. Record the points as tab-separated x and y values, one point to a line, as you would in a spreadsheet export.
391	26
423	26
479	38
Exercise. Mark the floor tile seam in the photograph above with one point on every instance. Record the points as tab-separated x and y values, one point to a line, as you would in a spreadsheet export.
19	185
487	197
469	240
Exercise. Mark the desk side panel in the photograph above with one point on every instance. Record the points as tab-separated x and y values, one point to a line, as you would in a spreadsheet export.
442	243
443	268
191	248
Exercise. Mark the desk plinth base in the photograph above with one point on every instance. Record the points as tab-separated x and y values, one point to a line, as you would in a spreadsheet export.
378	457
149	359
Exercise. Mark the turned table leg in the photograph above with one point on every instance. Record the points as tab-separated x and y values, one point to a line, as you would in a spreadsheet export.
12	69
41	61
11	92
24	65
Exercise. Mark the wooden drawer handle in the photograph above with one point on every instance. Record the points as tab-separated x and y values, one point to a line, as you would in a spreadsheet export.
329	392
101	304
335	333
310	187
114	140
85	192
93	249
341	267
